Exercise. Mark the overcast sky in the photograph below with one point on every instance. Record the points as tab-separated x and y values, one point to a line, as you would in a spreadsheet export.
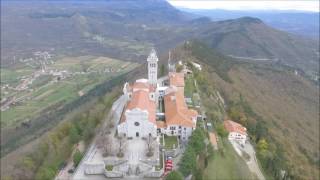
302	5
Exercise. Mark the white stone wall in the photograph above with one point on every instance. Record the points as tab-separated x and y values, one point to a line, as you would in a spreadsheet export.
94	168
184	132
238	137
137	122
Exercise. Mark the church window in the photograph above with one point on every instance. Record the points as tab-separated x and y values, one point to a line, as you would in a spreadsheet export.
136	123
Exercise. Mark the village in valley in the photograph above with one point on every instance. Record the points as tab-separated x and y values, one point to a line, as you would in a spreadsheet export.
149	127
43	81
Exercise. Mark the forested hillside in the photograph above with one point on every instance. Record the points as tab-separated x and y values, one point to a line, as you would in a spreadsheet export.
279	108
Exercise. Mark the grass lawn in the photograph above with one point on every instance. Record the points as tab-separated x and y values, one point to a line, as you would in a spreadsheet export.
229	166
170	141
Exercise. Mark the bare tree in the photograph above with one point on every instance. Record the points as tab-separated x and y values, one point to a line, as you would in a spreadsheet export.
110	124
99	141
150	143
104	142
122	143
107	145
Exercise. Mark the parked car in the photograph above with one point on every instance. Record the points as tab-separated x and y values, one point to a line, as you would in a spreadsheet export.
70	171
168	168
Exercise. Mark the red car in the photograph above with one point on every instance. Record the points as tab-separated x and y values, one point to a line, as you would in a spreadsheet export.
168	168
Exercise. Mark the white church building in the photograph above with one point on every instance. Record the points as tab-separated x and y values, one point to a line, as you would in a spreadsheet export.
140	116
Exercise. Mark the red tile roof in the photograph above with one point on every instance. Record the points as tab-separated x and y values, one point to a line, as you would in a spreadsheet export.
176	79
176	110
232	126
142	86
161	124
140	99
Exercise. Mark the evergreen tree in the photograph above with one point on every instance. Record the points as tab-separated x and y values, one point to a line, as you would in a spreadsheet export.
77	157
188	161
74	135
174	175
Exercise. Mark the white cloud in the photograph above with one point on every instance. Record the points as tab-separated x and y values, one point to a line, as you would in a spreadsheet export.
305	5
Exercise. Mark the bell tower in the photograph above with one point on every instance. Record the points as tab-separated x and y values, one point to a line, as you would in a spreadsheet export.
152	67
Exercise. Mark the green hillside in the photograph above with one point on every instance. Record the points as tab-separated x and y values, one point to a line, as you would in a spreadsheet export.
250	38
271	101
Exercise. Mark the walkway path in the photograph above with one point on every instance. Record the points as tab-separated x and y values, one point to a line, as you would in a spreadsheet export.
116	108
252	162
63	174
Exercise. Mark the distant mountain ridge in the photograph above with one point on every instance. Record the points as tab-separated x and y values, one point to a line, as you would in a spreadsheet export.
298	22
250	37
127	29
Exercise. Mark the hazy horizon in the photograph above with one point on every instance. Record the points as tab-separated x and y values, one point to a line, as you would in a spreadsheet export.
309	6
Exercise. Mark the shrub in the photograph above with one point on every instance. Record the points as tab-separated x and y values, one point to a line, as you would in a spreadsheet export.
188	161
198	174
174	175
109	167
74	135
45	173
221	130
210	150
197	140
77	157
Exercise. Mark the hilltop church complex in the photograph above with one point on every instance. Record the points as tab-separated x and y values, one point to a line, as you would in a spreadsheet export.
156	106
152	108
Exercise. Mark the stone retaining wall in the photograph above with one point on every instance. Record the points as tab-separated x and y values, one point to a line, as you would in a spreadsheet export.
154	174
114	174
94	168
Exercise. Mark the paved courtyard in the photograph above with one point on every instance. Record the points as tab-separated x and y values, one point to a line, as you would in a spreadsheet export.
133	165
136	149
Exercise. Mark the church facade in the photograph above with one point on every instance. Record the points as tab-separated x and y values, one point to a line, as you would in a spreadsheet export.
142	115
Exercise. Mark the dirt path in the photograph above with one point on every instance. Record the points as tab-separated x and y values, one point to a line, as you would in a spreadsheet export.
252	162
63	174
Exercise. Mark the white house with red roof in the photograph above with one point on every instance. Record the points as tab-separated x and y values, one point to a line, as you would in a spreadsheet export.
236	131
179	120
